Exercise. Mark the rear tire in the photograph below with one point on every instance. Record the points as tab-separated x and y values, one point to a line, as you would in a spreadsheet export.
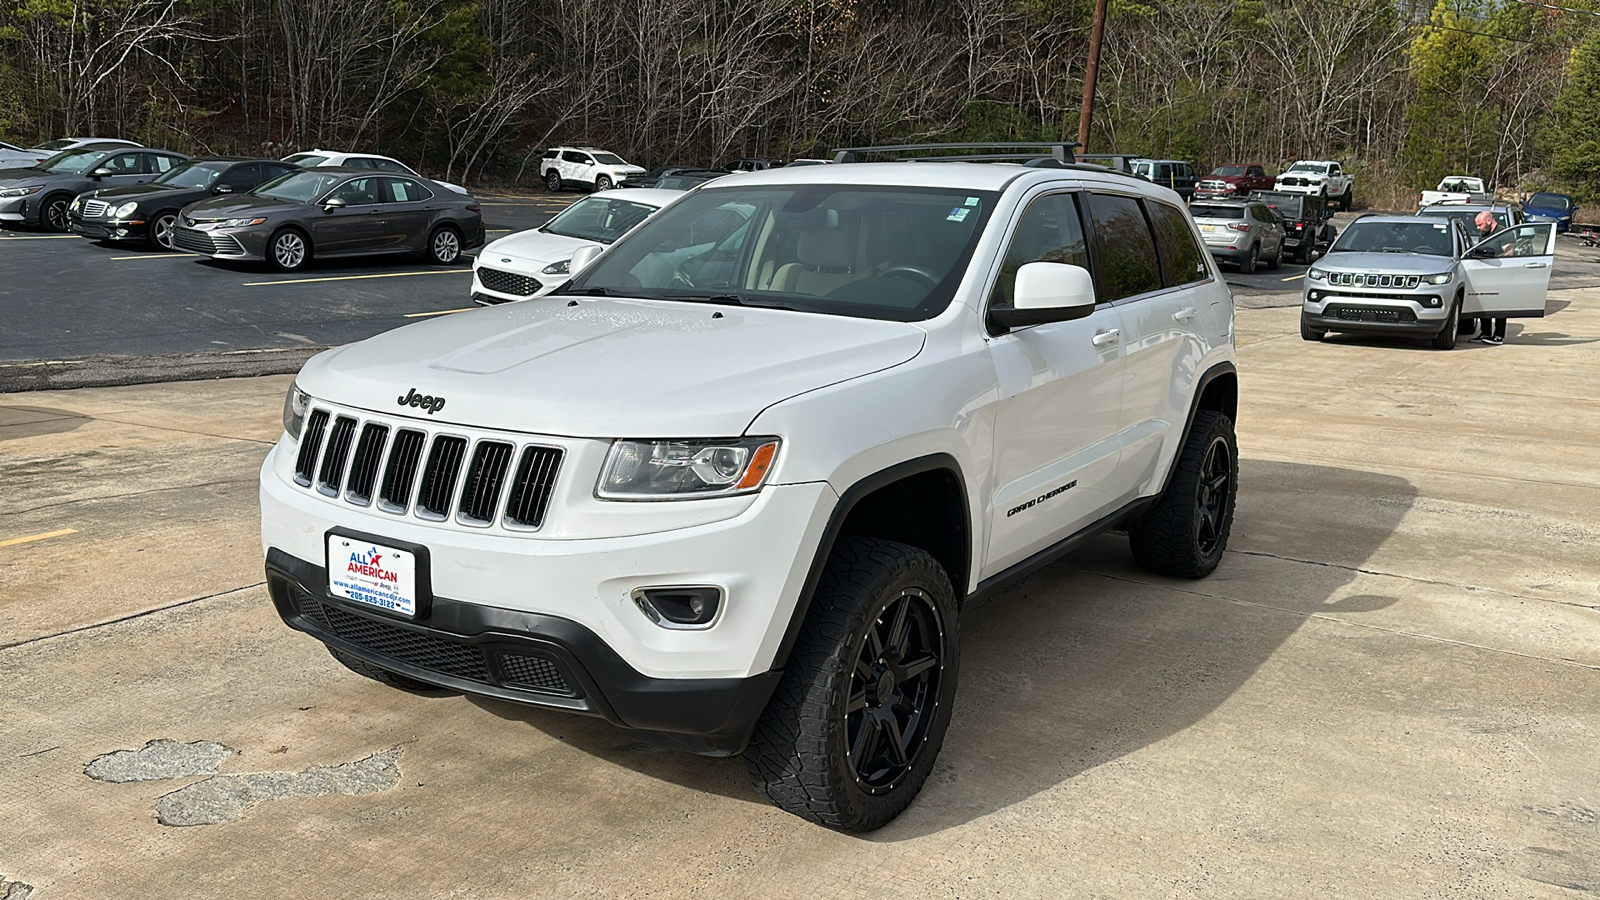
552	180
859	715
377	673
1277	258
1446	338
1347	199
444	246
1248	266
1302	253
1186	532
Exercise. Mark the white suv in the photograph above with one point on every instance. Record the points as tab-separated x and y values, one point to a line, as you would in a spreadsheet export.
738	498
599	170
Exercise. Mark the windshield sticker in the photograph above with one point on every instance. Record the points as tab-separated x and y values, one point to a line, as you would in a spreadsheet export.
972	201
959	214
1438	228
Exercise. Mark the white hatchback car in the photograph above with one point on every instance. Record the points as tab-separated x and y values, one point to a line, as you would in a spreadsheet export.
533	263
313	158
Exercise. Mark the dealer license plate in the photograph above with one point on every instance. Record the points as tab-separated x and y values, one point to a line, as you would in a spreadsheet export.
369	573
1211	229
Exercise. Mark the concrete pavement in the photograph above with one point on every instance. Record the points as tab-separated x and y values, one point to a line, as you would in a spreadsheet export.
1387	690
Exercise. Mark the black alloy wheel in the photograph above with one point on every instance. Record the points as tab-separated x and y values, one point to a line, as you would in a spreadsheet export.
54	214
1186	532
552	180
894	690
1213	502
163	227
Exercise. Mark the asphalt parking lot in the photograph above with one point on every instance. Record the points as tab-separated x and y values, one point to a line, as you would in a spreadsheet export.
81	312
1386	690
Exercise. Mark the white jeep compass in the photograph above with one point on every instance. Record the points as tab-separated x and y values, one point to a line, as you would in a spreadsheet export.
735	494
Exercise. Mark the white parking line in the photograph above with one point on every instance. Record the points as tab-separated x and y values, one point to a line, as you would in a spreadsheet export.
153	256
358	277
40	237
442	312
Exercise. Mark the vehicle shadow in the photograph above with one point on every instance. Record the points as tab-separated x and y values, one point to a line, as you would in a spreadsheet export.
34	421
1519	334
1092	659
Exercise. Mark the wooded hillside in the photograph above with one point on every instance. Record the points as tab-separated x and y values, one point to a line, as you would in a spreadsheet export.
1401	91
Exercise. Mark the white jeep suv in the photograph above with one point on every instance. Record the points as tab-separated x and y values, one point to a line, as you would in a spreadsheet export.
737	499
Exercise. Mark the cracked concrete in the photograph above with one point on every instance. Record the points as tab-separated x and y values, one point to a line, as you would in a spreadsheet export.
226	798
159	760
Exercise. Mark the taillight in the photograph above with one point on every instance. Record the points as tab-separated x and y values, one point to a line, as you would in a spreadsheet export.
1299	226
1239	226
474	207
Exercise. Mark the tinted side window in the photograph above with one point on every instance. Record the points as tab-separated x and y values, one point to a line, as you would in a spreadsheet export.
360	192
1124	251
242	178
1182	260
1049	231
387	165
1255	172
270	171
574	157
549	154
124	163
158	164
404	190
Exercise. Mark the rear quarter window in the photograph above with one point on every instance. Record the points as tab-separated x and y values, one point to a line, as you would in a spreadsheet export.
1182	260
1125	252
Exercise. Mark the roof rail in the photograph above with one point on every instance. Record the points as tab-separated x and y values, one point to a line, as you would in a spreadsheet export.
1061	151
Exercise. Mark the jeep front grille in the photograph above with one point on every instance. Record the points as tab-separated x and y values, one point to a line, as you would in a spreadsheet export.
508	282
435	477
1357	279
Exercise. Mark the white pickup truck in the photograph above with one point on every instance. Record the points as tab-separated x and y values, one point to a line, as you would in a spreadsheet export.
1320	178
1456	189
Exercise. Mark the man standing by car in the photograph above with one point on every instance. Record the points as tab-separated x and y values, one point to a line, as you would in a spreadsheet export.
1490	331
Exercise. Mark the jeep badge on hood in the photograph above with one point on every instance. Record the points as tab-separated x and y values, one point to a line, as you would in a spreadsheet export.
429	403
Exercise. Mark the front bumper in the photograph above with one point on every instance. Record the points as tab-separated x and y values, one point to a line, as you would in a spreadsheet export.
107	229
1377	313
18	209
522	657
1312	190
238	243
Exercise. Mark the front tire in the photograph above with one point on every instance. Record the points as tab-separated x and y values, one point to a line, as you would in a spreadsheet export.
163	227
552	180
1186	532
1307	333
602	183
1446	338
53	214
288	250
859	715
444	246
1347	199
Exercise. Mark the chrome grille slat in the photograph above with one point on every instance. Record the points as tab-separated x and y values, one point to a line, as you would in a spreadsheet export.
485	477
310	445
94	209
532	487
330	476
401	473
366	463
439	476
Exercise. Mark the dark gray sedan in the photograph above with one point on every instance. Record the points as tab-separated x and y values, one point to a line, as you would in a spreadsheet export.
40	195
332	212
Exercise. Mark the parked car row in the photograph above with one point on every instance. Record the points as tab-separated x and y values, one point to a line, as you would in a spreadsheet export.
284	212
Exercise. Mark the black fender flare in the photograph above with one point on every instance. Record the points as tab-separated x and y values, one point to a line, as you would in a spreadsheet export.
841	512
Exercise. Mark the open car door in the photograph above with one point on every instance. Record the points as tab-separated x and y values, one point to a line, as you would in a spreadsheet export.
1507	275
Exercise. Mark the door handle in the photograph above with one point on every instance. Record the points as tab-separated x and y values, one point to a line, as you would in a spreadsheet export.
1107	338
1534	265
376	212
1184	315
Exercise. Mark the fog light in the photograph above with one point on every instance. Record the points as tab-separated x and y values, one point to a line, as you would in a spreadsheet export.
679	607
1315	296
1434	302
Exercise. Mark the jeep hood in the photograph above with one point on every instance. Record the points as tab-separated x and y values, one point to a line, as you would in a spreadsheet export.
607	367
1386	263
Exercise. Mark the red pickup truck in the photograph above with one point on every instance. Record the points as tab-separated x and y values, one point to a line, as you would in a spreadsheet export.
1233	180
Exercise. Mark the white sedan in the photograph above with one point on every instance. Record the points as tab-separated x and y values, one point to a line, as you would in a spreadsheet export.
535	262
313	158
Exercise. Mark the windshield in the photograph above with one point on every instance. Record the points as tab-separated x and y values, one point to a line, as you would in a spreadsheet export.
892	253
609	159
1228	171
61	144
1432	238
74	161
306	159
1288	207
1215	211
1316	168
1467	216
602	219
298	187
683	182
190	175
1550	201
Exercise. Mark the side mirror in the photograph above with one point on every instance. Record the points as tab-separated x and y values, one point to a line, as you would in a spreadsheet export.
222	189
101	172
1047	292
584	255
333	203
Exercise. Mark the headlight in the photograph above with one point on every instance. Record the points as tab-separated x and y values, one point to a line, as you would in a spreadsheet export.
1316	274
77	203
557	268
19	191
295	404
242	223
1441	278
124	211
668	470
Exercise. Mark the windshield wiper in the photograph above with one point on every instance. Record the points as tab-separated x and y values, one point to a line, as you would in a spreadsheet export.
733	300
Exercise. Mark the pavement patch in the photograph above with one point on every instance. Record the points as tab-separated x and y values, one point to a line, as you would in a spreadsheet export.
159	760
226	798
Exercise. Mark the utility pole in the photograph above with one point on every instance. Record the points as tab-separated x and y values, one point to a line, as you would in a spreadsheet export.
1086	113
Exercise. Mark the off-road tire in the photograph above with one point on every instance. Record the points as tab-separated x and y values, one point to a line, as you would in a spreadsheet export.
1307	333
1446	338
1247	266
1347	199
282	258
801	755
165	223
1186	532
378	673
444	246
1302	253
552	180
